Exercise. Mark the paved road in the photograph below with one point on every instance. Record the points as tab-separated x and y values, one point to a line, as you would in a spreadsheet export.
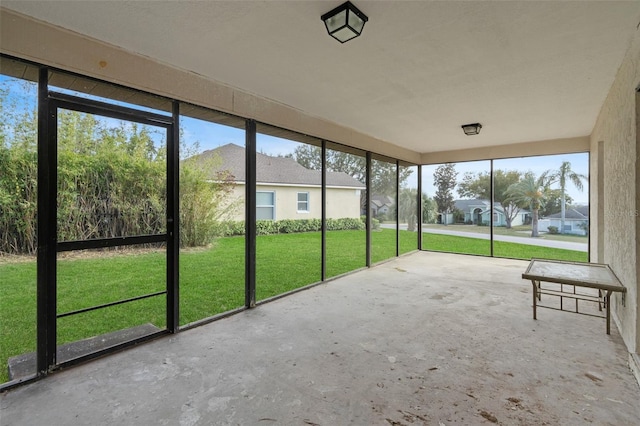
507	238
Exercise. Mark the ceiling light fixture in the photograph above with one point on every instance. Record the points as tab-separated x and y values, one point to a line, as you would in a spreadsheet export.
345	22
471	129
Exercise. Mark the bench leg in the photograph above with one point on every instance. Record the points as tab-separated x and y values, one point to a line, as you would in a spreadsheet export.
535	297
599	297
607	301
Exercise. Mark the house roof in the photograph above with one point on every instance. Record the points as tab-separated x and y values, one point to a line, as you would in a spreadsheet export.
465	205
574	213
277	170
381	200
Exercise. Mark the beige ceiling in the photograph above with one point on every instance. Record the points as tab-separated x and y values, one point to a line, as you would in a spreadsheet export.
527	71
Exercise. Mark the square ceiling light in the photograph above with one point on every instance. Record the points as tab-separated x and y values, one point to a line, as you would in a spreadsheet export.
345	22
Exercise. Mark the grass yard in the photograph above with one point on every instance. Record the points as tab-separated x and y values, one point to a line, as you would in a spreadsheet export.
516	231
466	245
211	280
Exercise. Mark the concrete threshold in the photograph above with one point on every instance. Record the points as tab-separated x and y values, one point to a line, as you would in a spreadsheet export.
427	339
24	365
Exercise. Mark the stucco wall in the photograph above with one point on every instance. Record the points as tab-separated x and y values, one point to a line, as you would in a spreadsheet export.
341	202
616	206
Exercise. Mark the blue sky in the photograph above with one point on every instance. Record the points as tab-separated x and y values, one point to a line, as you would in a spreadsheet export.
538	165
209	136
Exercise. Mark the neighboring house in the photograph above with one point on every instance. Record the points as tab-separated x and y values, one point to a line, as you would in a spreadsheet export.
381	204
576	221
477	211
284	188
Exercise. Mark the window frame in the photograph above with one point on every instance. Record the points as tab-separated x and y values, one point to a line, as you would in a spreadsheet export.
271	206
307	202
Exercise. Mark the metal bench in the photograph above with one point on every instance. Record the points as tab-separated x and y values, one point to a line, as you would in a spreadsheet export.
569	275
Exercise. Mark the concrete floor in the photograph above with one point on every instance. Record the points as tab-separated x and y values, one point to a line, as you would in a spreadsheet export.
429	338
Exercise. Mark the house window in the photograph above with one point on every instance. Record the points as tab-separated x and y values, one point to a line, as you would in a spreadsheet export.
303	202
265	205
566	228
495	218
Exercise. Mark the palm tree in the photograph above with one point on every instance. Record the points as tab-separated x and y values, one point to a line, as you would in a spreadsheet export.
563	175
408	209
532	192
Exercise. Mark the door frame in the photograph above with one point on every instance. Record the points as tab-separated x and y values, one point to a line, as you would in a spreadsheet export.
48	246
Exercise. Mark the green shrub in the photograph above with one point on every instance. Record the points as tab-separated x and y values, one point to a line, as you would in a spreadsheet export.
231	228
111	182
291	226
585	227
375	223
552	229
458	216
344	224
266	227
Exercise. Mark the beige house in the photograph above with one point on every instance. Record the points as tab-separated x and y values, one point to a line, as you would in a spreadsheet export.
285	189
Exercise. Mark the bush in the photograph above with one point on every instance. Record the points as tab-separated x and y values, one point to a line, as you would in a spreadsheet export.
385	217
458	216
552	229
290	226
203	205
111	183
344	224
231	228
375	223
266	227
585	227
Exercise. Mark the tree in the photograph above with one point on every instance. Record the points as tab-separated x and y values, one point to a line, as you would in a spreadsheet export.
553	203
478	185
531	192
111	181
563	176
18	167
444	179
383	174
429	209
205	200
408	208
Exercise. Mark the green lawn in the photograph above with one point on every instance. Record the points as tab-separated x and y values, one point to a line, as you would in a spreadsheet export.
516	231
466	245
211	280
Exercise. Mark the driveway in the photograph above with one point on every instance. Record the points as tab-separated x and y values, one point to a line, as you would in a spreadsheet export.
507	238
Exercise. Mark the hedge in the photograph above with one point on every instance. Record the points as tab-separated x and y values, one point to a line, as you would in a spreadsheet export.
290	226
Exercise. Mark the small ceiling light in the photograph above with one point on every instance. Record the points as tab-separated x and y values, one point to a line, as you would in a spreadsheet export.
345	22
471	129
